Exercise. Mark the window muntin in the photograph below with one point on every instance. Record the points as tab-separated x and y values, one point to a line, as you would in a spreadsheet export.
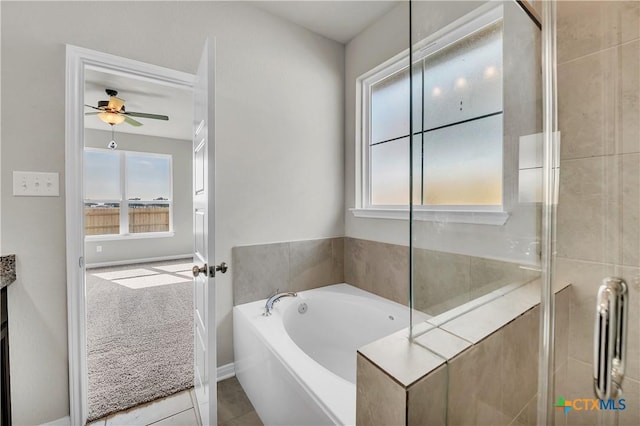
458	133
141	200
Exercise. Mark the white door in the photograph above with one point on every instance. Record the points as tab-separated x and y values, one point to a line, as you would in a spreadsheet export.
203	236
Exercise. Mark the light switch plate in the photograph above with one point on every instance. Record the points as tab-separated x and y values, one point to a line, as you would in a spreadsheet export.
36	184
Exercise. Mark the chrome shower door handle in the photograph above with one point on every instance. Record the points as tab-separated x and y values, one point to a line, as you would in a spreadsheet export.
610	338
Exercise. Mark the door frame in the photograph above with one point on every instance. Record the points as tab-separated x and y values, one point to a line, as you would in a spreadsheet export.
77	60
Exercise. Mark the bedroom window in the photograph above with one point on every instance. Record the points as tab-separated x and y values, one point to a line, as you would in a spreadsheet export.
127	193
457	126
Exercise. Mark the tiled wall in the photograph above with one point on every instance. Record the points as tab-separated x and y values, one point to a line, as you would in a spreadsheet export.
260	270
491	382
599	204
441	280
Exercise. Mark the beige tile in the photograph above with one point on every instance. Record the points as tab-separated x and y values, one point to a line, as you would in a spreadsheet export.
427	399
441	280
528	415
629	101
630	209
152	412
588	26
355	256
310	264
185	418
488	275
585	278
401	359
444	344
259	270
588	211
379	399
232	401
388	270
337	247
586	112
479	323
524	297
475	385
462	309
520	362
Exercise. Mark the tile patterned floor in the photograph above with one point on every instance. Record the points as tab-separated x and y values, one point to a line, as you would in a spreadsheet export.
234	409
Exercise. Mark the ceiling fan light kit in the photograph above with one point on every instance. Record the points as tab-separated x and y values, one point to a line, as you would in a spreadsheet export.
111	118
113	111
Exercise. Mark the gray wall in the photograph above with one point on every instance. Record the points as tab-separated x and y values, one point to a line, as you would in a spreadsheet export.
279	136
388	37
181	242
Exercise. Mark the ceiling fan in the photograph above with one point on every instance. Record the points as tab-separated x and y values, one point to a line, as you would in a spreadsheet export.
113	112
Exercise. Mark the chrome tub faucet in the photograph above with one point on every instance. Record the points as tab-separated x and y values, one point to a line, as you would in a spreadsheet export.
268	307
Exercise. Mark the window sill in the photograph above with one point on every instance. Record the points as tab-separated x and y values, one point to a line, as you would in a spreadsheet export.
497	218
122	237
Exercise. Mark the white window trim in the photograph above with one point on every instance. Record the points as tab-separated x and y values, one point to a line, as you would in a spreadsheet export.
487	215
124	201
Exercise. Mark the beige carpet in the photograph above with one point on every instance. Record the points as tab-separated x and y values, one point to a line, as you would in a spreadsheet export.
139	334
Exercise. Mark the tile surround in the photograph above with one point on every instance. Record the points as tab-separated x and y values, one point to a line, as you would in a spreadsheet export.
490	381
260	270
379	399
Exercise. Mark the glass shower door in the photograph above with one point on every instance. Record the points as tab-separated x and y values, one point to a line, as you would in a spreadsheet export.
476	172
597	247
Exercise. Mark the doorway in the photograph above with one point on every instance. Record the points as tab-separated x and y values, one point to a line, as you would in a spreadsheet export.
138	218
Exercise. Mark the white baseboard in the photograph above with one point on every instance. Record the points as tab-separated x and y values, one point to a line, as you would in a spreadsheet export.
226	371
65	421
223	372
134	261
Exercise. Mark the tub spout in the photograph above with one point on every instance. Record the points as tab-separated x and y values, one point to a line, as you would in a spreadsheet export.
275	298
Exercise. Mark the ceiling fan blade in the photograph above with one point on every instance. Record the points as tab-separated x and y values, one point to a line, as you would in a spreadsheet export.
131	121
91	106
115	103
145	115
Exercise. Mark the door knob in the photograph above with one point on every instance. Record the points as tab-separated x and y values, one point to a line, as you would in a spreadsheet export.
222	267
196	270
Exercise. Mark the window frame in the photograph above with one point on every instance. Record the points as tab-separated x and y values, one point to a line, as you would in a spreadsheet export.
124	233
452	33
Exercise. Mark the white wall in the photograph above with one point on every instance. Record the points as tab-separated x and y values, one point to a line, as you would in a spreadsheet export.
280	145
381	41
181	242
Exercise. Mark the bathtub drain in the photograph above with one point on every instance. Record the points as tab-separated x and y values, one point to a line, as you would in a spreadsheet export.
302	308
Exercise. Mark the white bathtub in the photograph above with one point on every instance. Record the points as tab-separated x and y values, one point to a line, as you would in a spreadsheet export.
300	368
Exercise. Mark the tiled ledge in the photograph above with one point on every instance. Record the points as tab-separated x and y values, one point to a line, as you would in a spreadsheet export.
7	270
446	335
457	337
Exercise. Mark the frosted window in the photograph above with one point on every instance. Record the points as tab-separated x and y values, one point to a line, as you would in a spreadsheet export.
463	164
390	173
148	177
101	175
390	105
464	80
